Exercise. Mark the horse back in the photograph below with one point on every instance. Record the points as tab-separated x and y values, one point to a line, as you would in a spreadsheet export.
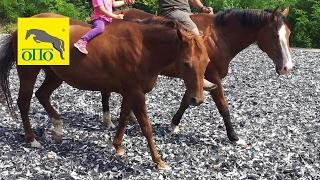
116	58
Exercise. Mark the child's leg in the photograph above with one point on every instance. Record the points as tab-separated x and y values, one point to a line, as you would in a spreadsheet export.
99	26
81	45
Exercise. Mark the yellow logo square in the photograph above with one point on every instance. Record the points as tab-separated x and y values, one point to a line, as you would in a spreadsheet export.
43	41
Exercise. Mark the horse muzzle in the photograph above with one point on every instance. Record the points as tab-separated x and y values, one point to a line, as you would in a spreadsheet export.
283	67
284	70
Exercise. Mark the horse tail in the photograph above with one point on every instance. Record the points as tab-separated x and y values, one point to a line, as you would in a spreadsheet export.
6	63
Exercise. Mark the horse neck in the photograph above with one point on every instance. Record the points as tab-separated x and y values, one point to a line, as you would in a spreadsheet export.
233	38
164	46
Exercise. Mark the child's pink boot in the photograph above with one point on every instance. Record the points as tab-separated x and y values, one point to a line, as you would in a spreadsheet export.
81	46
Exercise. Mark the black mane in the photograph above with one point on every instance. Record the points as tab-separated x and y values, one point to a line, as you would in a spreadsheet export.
170	23
249	17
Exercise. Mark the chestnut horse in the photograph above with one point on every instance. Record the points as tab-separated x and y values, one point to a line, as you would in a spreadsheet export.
228	32
126	58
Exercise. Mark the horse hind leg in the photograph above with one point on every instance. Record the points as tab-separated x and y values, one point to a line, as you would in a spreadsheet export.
27	77
57	46
136	102
43	94
140	110
106	116
61	54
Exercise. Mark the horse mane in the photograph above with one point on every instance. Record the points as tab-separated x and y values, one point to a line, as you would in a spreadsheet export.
250	17
161	21
166	22
171	24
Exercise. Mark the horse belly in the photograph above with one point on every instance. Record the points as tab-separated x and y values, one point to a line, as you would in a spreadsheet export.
87	80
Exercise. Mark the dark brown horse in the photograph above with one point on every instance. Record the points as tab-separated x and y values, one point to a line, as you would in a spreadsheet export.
228	33
126	58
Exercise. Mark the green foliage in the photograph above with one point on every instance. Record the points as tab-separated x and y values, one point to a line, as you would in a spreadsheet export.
305	20
304	15
10	10
8	28
150	6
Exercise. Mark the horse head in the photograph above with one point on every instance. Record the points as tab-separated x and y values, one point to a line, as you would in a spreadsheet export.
273	38
29	32
194	61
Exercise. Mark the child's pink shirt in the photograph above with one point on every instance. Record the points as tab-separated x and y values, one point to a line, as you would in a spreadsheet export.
96	11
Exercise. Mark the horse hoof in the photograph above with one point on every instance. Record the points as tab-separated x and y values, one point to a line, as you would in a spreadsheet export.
120	152
106	120
241	143
108	125
111	126
163	166
35	144
57	138
175	129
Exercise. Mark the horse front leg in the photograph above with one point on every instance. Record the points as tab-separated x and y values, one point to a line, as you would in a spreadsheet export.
57	46
36	40
123	121
140	111
222	105
177	117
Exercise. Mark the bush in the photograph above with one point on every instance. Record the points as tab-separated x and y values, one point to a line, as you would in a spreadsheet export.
10	10
305	20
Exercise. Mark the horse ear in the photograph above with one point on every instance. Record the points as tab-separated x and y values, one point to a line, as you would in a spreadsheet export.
183	35
274	13
285	12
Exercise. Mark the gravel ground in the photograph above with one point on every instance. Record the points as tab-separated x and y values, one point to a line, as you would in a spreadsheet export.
278	116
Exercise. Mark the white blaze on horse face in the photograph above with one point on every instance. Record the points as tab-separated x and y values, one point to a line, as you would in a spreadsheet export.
287	61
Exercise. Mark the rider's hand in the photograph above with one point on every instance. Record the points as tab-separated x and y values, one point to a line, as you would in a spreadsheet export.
120	16
211	10
205	9
127	2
